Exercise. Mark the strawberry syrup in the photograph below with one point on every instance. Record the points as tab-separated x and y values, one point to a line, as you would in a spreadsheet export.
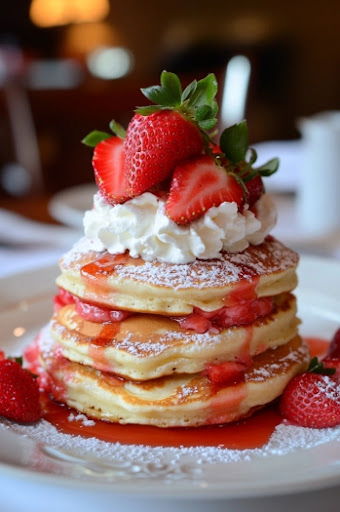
252	432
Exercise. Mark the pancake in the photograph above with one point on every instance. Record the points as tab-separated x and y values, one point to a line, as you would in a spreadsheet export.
181	400
144	347
122	282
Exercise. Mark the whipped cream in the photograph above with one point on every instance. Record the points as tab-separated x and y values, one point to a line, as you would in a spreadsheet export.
141	226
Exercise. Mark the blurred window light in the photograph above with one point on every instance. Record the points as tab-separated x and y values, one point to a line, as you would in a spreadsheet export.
50	13
235	90
54	74
110	63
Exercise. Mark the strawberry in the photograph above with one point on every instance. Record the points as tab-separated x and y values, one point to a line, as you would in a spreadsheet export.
229	372
63	298
108	164
155	144
255	189
99	314
312	400
197	185
194	322
19	393
333	362
334	348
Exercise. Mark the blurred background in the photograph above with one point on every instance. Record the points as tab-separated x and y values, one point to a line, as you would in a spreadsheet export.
69	66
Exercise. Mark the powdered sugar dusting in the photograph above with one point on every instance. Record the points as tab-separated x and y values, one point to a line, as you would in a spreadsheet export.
285	439
81	418
264	259
329	387
266	371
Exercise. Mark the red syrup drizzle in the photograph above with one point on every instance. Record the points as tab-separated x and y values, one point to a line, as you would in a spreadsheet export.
317	346
252	432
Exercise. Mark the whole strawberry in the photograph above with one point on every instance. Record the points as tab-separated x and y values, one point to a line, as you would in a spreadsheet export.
155	144
312	399
334	348
19	393
161	136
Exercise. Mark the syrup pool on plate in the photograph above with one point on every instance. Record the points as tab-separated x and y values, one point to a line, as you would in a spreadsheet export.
253	432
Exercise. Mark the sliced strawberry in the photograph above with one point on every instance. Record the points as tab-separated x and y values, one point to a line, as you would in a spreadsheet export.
333	362
63	298
334	348
196	186
255	189
241	314
194	322
109	169
312	400
99	314
154	145
229	372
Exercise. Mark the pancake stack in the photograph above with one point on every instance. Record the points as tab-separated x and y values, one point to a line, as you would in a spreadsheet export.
149	369
176	308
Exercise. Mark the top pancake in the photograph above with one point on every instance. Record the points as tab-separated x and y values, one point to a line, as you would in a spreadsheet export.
122	282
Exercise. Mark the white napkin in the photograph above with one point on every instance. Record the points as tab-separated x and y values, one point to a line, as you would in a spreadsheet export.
26	244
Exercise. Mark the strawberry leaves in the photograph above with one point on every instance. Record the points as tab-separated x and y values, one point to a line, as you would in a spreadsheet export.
316	366
235	146
234	142
117	129
196	103
168	94
269	168
96	136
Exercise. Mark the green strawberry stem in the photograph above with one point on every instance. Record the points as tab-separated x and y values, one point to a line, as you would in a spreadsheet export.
196	103
316	366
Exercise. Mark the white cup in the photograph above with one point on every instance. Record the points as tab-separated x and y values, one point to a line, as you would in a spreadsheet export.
319	187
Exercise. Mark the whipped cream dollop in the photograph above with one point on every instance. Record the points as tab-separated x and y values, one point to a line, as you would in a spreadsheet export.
141	226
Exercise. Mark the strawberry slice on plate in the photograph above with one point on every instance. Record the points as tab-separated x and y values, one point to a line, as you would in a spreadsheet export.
109	169
197	185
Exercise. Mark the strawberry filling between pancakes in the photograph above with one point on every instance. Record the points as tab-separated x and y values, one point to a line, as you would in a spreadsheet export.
199	321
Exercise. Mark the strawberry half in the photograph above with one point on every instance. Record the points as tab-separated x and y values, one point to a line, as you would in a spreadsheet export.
19	393
109	169
154	145
312	400
196	186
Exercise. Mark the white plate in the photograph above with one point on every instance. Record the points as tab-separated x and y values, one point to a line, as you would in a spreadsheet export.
68	206
26	305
